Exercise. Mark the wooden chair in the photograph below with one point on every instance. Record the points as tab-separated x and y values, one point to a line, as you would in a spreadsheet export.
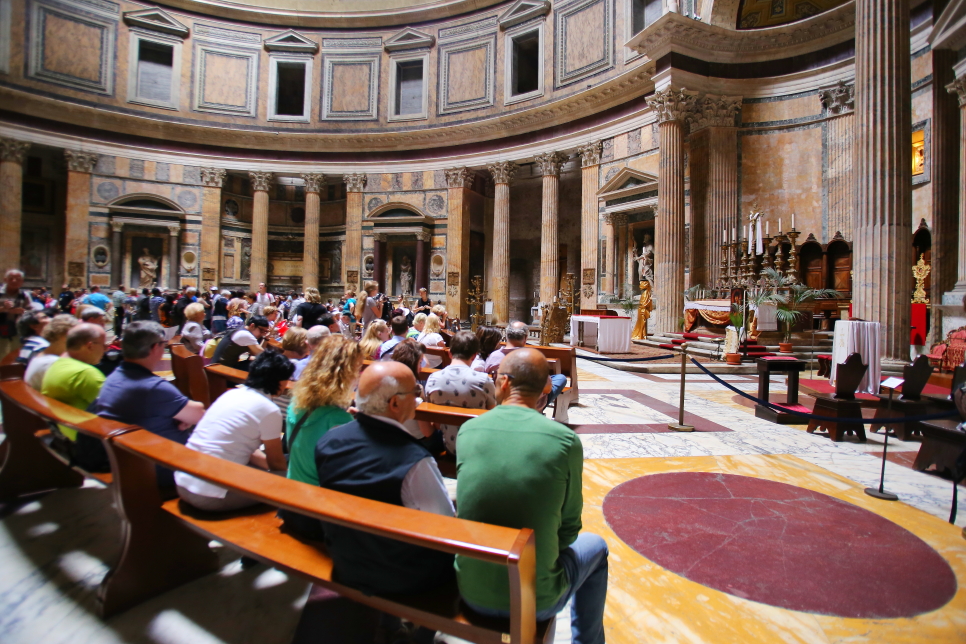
910	403
843	403
942	443
189	374
935	355
824	365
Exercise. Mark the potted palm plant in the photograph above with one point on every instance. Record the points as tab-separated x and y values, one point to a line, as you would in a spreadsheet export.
738	322
790	305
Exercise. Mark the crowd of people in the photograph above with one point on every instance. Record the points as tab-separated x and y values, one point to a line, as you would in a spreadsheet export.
340	427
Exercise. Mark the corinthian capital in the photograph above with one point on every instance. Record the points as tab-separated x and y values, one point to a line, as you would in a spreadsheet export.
958	87
672	104
715	111
78	161
549	163
502	171
314	182
213	177
839	99
590	154
13	150
615	218
354	182
458	177
261	181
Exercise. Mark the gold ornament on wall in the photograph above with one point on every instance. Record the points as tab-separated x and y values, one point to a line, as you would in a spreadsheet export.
920	271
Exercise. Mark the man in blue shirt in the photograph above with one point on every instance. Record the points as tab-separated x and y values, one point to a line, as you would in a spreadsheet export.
133	394
155	303
399	331
98	299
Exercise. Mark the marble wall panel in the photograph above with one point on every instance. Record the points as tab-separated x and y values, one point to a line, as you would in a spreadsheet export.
225	79
584	35
73	46
467	74
620	146
921	67
767	111
351	86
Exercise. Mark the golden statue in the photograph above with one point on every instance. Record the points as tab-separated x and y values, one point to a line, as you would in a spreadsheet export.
920	271
644	308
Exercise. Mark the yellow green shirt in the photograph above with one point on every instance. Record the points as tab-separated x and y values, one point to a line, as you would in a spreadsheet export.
74	383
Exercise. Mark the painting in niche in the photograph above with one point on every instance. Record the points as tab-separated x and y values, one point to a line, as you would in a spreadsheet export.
34	247
246	260
146	261
918	152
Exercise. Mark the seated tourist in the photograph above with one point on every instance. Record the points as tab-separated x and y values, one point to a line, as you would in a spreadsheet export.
431	337
423	304
30	328
73	379
319	403
309	312
410	353
242	342
419	322
92	315
294	344
234	428
375	334
134	394
313	338
345	326
375	457
515	452
490	338
328	321
55	333
516	338
194	333
399	330
458	385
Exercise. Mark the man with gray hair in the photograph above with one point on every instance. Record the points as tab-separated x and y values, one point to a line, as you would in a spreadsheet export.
516	338
134	394
377	458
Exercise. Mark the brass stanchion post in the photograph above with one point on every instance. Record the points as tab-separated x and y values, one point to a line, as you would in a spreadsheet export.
680	426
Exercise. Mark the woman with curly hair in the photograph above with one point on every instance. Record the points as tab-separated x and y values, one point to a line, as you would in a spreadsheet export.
376	333
490	338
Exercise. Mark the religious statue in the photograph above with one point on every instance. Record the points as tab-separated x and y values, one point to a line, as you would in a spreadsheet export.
644	308
645	261
406	276
149	269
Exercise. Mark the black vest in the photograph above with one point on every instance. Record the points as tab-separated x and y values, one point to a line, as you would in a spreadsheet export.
369	458
227	352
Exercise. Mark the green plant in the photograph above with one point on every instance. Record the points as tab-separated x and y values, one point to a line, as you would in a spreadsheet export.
791	303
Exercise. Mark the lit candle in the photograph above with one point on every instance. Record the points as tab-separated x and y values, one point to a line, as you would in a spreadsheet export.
766	229
779	225
793	221
724	236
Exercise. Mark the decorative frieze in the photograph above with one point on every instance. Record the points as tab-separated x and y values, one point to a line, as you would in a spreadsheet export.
354	182
78	161
459	178
715	111
590	154
549	163
261	181
13	150
672	104
839	99
213	177
502	171
314	182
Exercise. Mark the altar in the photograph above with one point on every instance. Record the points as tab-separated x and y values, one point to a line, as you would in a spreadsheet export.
714	312
613	333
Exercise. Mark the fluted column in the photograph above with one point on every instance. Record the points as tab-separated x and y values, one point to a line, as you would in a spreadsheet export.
589	222
261	182
883	194
352	260
839	101
949	224
174	257
212	180
379	263
500	287
423	240
314	183
458	181
117	230
612	224
77	232
672	107
548	165
12	155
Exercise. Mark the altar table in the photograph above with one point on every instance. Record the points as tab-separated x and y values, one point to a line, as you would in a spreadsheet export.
862	338
613	332
715	312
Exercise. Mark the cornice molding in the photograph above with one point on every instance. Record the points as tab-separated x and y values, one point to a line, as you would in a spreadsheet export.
521	11
291	40
409	38
156	19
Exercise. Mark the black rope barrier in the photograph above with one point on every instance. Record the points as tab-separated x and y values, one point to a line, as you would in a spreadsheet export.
865	421
670	355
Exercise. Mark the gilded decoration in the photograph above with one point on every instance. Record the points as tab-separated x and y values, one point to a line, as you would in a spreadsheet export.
672	104
644	308
920	272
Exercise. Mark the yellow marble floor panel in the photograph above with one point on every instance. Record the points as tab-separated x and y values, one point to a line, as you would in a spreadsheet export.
647	603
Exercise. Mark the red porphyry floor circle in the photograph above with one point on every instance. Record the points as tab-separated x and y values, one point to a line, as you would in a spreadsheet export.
779	544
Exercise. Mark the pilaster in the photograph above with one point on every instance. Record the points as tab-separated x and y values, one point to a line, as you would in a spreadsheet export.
352	260
589	222
458	181
502	172
314	183
77	228
12	155
548	165
261	182
212	180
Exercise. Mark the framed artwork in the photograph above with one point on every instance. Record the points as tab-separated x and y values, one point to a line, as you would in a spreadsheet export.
921	144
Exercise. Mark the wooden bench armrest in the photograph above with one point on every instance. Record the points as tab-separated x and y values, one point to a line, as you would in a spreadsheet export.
433	413
31	400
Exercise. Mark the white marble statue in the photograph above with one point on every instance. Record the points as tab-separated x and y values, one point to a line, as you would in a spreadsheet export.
406	276
645	261
149	269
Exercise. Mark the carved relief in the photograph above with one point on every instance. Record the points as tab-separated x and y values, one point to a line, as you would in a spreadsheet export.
502	171
715	111
436	204
672	104
839	99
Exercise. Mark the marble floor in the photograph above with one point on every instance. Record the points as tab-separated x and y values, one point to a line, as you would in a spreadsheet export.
55	548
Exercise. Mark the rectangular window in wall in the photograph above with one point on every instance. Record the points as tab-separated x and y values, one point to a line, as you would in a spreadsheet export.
288	88
409	87
643	13
524	64
154	65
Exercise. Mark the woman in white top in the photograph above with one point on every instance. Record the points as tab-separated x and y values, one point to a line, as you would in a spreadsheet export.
430	337
56	334
235	427
194	334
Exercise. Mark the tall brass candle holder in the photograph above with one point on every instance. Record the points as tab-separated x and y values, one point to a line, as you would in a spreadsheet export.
476	297
792	256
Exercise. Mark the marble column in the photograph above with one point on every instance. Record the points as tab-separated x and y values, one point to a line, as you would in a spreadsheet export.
261	182
589	223
212	180
458	181
953	301
314	184
883	158
423	240
839	101
945	187
548	165
499	289
672	107
174	257
352	259
12	155
117	229
612	225
77	233
379	263
714	117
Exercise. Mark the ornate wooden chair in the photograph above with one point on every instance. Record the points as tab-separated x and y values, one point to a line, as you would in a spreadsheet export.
842	404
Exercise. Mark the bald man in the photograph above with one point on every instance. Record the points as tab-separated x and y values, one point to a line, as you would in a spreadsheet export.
377	458
519	469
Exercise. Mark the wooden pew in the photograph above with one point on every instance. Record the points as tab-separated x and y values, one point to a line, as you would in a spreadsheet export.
566	357
189	374
441	353
219	377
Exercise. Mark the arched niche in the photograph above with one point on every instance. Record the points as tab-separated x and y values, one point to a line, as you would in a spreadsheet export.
812	263
839	261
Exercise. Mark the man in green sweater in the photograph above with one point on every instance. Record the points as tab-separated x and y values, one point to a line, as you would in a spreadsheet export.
520	469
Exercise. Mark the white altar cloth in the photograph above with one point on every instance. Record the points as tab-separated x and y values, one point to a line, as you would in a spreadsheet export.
862	338
613	333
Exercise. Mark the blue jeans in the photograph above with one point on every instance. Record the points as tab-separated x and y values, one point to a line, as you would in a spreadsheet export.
557	384
585	562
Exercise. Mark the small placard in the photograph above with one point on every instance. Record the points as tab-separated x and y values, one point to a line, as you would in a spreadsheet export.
892	383
488	307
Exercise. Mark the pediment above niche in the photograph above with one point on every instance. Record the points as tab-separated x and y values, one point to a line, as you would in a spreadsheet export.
291	40
626	182
156	20
521	11
409	38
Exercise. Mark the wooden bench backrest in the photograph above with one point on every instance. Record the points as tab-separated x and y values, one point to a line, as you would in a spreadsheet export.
441	352
189	374
565	356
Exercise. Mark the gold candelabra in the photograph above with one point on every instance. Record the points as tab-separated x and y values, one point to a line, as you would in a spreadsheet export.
769	260
792	259
724	268
476	297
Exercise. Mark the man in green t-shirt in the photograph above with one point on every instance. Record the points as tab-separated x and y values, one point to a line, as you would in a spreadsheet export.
520	469
73	379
